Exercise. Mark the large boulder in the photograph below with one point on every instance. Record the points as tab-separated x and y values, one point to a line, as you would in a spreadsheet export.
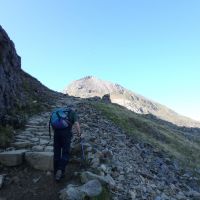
106	98
12	158
91	189
40	160
105	180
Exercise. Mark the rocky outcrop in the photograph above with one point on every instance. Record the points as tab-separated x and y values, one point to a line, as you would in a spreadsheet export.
92	87
19	92
90	189
106	98
10	75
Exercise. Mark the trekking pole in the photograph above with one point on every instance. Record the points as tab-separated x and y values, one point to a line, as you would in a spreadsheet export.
82	151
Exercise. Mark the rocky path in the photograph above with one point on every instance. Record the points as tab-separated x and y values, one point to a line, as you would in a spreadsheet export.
124	167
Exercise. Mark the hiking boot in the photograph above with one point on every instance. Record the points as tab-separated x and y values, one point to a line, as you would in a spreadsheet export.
58	175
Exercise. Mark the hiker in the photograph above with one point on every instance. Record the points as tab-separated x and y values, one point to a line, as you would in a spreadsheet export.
62	120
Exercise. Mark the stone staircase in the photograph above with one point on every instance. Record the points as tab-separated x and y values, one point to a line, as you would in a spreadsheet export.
33	144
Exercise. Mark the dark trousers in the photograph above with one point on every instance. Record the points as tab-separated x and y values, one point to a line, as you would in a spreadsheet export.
62	141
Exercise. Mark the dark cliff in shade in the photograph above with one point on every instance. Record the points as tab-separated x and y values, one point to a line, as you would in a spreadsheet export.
20	93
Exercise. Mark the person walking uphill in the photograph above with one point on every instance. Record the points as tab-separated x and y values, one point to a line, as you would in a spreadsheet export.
62	121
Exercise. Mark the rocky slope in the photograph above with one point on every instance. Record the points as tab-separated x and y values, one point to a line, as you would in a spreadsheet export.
19	92
118	165
91	86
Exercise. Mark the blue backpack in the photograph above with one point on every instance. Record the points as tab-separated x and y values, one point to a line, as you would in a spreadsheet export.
60	119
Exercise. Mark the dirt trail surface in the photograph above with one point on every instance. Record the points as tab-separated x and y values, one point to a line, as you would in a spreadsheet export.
25	183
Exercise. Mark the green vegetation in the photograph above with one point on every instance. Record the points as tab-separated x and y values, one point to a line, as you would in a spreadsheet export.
5	135
105	195
35	101
29	109
162	136
19	116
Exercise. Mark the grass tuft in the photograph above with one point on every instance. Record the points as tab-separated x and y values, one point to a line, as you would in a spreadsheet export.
5	135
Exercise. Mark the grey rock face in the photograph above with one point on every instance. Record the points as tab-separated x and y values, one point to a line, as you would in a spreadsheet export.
10	68
17	88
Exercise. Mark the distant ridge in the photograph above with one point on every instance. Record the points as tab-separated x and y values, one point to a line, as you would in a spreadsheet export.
91	86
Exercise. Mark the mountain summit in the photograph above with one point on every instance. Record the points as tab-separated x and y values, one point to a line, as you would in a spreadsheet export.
91	86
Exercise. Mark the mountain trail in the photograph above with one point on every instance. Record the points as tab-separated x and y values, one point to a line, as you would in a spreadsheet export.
126	168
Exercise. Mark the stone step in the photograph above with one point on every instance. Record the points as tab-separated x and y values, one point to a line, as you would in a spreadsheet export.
44	142
22	144
36	123
36	126
35	139
38	148
42	133
32	130
40	160
12	158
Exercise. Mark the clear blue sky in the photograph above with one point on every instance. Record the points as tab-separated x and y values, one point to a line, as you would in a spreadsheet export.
149	46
